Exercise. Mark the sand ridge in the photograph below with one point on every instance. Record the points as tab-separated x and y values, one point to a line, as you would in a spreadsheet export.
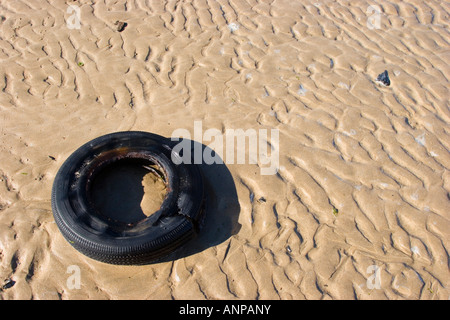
363	178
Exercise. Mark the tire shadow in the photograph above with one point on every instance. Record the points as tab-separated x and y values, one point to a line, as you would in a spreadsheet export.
222	209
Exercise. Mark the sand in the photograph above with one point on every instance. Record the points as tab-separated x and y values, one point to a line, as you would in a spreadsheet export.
127	192
359	207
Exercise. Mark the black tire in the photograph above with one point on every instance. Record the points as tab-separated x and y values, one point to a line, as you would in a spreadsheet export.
116	242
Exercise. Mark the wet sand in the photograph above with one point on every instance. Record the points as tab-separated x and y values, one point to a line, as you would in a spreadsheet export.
359	208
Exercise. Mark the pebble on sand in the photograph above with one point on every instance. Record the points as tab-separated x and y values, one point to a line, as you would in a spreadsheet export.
383	79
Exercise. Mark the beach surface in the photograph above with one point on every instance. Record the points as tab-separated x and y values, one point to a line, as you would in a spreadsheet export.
358	207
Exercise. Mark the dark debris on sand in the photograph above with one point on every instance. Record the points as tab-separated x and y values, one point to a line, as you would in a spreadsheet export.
120	25
383	79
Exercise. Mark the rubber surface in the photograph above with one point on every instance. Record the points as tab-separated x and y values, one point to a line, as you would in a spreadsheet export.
116	242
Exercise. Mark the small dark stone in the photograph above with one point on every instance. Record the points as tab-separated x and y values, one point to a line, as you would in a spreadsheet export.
383	78
8	284
121	25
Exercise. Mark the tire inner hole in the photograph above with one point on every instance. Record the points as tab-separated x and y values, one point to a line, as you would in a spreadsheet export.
128	191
